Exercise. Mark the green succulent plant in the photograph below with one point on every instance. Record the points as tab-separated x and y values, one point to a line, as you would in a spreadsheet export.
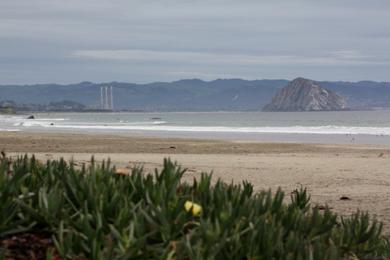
90	212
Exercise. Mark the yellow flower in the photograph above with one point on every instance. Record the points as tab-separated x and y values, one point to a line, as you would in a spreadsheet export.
122	171
192	207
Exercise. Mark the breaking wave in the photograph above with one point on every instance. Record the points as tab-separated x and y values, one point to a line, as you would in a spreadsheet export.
162	126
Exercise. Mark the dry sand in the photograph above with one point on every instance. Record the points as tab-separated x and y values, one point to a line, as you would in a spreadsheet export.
328	171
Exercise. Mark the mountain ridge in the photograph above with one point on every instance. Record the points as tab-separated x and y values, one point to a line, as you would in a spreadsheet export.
191	94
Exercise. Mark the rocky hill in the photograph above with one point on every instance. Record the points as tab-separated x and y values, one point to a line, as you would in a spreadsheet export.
305	95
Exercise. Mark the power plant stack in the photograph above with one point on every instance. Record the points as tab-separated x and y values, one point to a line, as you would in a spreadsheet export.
106	98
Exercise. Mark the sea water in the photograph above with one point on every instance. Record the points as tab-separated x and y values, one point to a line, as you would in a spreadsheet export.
321	127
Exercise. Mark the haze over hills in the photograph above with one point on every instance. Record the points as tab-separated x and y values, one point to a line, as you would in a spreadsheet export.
191	94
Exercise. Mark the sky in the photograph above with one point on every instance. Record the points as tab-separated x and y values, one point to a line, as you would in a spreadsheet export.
69	41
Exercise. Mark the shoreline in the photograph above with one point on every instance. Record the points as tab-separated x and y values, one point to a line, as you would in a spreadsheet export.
281	127
328	171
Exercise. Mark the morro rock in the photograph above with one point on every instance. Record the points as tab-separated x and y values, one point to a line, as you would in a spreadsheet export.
305	95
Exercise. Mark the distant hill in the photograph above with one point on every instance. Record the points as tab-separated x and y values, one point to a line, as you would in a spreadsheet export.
305	95
362	94
190	94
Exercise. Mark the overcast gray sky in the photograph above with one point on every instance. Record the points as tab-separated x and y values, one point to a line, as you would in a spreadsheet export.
67	41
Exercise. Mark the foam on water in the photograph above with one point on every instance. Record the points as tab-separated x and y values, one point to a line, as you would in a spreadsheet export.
159	126
53	119
9	130
353	123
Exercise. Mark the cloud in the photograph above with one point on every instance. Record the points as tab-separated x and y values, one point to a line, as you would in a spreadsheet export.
335	58
152	40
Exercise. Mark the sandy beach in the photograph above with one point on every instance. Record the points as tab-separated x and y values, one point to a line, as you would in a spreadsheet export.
359	172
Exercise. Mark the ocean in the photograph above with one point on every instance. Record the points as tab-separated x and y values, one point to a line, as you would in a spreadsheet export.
365	127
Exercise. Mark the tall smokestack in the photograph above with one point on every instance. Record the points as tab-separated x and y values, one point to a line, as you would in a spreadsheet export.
101	98
106	101
112	98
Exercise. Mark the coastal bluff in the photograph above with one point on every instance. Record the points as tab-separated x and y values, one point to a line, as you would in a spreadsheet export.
305	95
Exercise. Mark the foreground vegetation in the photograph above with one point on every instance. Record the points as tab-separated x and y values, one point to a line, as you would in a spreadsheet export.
93	212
